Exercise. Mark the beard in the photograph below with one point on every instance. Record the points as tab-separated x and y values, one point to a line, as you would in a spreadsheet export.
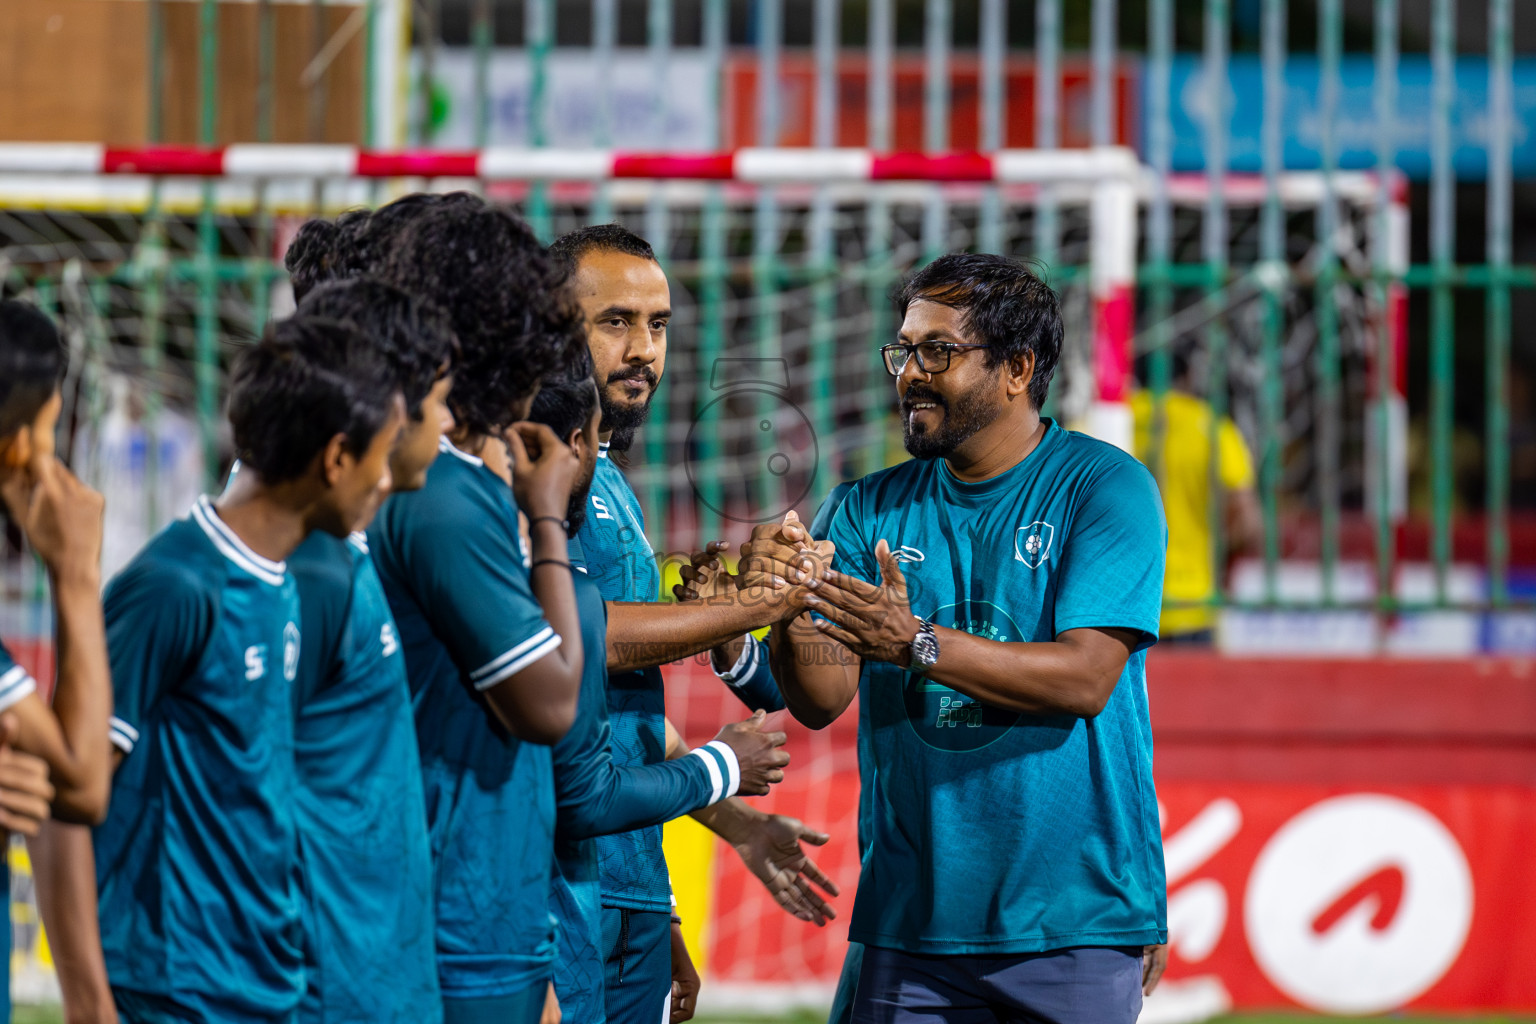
968	413
624	418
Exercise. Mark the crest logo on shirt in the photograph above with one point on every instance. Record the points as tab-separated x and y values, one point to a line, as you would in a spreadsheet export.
1032	543
290	652
387	639
907	553
602	508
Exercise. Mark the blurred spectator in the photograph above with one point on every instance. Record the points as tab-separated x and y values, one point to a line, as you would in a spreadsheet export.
1185	476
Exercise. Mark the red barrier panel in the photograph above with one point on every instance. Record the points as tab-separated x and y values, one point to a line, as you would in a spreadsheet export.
1344	836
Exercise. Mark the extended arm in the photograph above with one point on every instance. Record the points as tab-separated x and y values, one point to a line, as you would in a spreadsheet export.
643	635
605	799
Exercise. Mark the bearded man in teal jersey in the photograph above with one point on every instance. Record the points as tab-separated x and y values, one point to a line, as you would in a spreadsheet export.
991	602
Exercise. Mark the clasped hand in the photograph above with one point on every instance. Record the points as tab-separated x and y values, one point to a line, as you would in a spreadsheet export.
874	621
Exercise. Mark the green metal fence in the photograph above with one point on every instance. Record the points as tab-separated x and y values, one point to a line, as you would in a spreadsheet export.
1292	293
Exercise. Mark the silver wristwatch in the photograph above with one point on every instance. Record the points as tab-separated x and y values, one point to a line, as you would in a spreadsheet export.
925	647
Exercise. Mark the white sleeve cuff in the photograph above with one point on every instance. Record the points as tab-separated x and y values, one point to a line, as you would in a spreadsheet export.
723	769
511	662
746	662
123	736
15	685
732	766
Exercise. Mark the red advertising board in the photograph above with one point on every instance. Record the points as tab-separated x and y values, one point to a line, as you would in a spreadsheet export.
1350	900
797	90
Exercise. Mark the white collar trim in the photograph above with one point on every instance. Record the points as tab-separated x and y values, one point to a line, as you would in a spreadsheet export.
233	548
445	445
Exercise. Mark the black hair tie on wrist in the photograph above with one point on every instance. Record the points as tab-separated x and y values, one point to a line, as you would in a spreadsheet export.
565	524
549	561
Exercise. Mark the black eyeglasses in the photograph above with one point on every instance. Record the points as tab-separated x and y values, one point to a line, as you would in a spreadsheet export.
932	356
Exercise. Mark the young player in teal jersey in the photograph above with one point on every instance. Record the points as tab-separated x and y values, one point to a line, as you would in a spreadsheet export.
626	301
493	647
594	796
365	864
61	520
196	862
991	602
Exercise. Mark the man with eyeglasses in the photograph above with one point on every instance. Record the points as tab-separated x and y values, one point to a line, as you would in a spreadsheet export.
991	602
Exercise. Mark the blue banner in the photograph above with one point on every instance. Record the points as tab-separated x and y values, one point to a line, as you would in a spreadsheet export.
1355	128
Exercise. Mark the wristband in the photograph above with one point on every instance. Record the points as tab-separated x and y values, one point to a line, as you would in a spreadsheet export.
565	524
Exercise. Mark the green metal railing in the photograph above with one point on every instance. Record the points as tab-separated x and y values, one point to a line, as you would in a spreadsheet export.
1291	325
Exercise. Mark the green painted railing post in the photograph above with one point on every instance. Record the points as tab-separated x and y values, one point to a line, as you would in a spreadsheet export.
713	273
1328	436
936	98
1384	359
1500	120
155	127
207	351
766	272
1275	281
604	37
823	259
658	231
1159	221
482	36
538	21
1047	120
1213	245
991	233
879	271
1442	337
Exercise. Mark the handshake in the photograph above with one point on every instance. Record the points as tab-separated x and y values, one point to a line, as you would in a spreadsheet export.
776	565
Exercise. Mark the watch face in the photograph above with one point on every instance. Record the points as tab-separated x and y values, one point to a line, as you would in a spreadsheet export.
925	649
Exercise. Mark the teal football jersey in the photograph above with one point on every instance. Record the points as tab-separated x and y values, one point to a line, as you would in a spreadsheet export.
196	860
365	865
16	683
596	797
973	806
449	558
634	867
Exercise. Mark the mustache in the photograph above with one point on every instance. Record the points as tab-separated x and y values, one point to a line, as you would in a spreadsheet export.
916	394
644	373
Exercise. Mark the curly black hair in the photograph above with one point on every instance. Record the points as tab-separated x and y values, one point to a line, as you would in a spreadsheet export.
318	253
359	241
308	380
412	334
1006	307
506	300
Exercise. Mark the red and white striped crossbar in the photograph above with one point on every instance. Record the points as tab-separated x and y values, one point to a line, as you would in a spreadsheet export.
505	163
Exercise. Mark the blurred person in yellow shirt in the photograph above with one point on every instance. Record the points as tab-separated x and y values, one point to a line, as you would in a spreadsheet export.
1184	476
